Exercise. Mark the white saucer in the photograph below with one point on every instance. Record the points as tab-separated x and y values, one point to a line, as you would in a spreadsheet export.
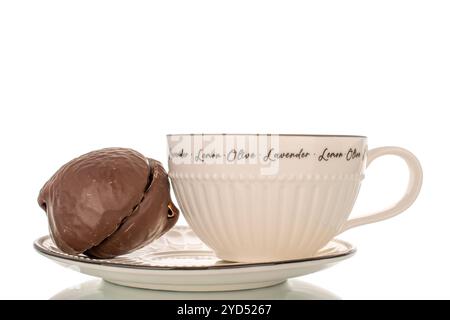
179	261
294	289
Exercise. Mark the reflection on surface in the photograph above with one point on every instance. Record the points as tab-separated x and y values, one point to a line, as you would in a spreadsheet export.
99	289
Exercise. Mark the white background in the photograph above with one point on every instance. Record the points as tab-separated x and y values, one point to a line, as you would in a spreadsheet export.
81	75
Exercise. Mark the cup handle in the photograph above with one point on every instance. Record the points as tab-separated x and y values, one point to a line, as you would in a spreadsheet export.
412	191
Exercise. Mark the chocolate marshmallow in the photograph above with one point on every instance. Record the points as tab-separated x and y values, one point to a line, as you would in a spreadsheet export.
107	203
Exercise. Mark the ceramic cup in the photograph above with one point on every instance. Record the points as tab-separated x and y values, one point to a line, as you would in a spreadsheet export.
259	198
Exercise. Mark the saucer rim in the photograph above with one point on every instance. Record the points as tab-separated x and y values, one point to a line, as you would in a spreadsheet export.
37	245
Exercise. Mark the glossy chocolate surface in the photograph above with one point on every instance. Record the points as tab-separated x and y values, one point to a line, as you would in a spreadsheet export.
107	203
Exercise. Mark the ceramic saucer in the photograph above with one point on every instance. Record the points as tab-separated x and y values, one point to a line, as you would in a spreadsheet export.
97	289
180	261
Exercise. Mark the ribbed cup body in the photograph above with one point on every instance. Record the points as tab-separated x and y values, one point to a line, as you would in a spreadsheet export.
246	215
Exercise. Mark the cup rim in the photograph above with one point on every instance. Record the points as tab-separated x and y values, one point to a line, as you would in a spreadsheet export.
270	134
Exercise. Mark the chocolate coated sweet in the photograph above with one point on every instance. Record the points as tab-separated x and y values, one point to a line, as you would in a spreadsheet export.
107	203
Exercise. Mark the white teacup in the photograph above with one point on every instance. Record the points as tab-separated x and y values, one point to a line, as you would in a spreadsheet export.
257	198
